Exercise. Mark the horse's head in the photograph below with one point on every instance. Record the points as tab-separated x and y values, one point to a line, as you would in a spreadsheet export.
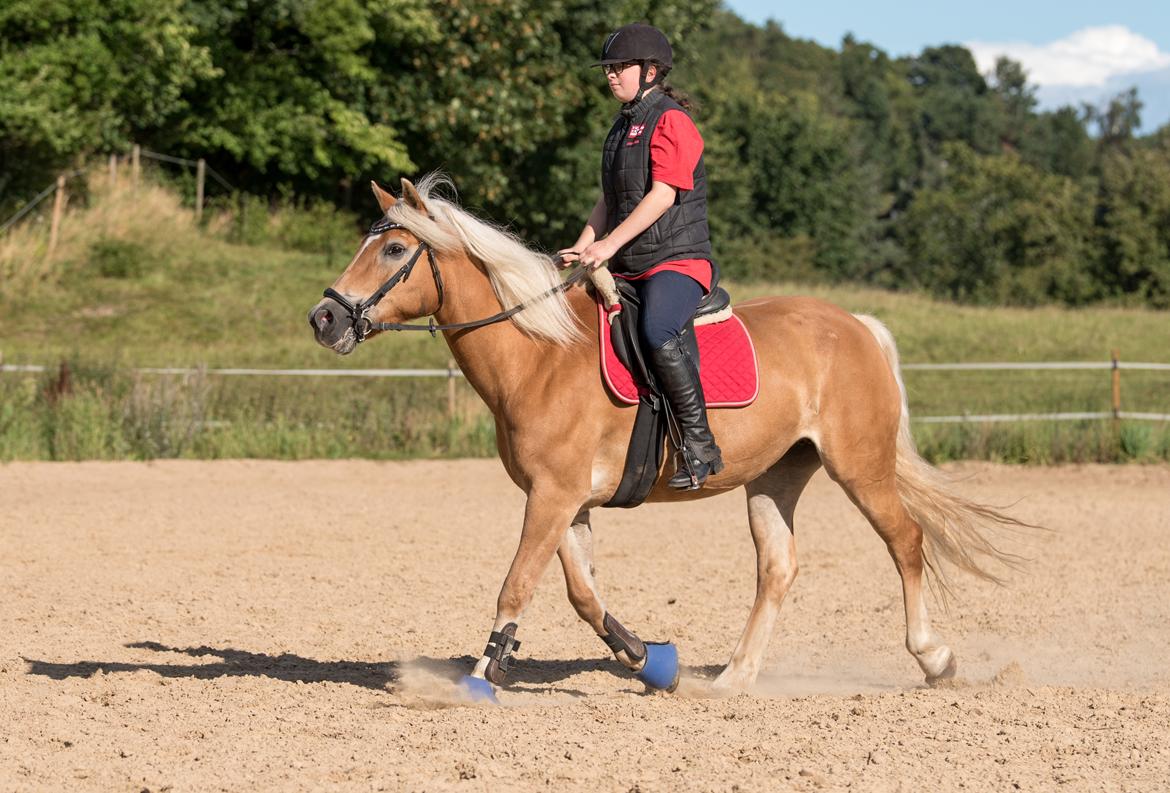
388	257
491	275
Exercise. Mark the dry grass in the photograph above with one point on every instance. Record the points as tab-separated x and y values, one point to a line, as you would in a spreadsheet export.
94	211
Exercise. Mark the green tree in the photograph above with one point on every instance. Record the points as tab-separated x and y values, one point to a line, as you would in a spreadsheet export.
805	183
1133	224
882	102
84	76
296	100
955	103
1057	142
996	230
1017	100
1118	120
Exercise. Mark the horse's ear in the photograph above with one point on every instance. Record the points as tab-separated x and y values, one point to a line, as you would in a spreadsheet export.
412	198
385	200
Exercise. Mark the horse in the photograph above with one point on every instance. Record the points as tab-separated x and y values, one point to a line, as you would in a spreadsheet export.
831	395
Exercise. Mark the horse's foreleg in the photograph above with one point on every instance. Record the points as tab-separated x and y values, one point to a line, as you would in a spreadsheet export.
545	518
576	554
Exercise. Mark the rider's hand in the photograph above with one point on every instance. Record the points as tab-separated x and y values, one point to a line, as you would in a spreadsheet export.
597	254
565	257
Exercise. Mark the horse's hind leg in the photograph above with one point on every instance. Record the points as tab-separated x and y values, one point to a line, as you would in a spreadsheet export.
879	500
771	503
576	554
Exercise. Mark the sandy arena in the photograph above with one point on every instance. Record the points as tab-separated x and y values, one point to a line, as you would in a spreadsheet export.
193	626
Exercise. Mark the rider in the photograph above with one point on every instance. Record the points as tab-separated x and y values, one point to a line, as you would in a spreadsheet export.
654	207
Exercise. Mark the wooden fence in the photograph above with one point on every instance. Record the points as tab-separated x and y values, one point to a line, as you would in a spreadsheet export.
1114	365
452	372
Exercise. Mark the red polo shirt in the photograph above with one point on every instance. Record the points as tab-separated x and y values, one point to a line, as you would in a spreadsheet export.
675	147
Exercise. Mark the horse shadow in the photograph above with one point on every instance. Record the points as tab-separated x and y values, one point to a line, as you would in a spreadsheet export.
290	668
527	675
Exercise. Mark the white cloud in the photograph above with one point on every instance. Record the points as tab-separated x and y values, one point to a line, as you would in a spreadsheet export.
1088	57
1153	91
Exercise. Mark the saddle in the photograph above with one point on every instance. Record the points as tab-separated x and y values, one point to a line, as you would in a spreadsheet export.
717	339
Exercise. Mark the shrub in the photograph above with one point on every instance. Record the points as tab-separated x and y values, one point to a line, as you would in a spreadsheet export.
116	258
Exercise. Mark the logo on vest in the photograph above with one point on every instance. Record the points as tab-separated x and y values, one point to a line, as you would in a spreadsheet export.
636	131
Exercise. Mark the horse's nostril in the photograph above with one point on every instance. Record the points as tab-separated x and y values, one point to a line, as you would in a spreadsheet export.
324	318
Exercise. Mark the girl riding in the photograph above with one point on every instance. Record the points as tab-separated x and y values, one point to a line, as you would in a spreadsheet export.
650	224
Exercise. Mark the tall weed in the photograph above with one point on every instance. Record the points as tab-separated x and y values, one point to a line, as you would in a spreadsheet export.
107	413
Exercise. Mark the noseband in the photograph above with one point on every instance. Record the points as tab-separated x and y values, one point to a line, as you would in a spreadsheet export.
363	327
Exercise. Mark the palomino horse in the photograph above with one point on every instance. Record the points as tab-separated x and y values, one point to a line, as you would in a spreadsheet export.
830	395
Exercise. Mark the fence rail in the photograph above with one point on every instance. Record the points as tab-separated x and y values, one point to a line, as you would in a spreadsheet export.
452	372
991	367
936	367
1007	417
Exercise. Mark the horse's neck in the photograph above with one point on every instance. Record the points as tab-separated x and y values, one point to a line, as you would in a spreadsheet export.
498	359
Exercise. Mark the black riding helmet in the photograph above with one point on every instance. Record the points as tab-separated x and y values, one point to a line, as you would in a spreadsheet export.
641	43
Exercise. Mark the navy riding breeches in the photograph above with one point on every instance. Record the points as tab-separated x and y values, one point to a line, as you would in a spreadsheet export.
669	300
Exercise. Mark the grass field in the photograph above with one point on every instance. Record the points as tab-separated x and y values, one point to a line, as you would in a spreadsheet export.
136	283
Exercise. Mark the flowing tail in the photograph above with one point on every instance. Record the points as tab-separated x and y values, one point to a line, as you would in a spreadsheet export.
954	529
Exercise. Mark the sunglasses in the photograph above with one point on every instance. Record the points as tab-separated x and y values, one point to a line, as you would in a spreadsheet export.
617	68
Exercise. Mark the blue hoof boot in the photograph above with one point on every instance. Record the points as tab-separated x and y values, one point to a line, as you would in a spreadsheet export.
478	690
661	668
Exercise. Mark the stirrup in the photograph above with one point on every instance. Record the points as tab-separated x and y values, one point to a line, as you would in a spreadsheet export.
687	477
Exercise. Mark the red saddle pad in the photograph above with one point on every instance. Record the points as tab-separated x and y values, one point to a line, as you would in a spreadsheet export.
728	366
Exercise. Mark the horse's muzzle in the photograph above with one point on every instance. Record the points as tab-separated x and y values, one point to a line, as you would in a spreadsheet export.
331	325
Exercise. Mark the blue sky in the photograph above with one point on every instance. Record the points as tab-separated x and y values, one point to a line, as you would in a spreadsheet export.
1074	51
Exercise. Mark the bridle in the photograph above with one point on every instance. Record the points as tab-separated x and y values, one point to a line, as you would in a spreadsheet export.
358	312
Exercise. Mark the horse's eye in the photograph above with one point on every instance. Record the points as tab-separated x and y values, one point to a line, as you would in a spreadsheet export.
394	249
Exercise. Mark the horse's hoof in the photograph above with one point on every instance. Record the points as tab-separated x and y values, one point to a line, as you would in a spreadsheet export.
946	674
729	684
661	668
478	690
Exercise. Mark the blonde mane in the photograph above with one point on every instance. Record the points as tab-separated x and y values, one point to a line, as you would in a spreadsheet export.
517	273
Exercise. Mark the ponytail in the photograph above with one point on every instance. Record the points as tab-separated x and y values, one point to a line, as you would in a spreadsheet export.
677	96
670	90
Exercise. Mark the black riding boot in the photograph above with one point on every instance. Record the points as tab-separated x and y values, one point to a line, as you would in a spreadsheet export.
678	376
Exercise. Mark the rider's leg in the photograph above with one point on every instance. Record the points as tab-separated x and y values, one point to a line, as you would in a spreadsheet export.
669	300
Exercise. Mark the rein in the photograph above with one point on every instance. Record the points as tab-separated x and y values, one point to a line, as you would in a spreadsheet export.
363	327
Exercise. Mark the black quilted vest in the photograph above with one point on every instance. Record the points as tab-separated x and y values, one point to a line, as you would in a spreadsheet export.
681	232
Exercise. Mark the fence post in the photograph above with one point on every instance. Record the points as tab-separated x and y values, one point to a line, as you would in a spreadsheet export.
200	173
451	368
58	210
135	164
113	171
1116	385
